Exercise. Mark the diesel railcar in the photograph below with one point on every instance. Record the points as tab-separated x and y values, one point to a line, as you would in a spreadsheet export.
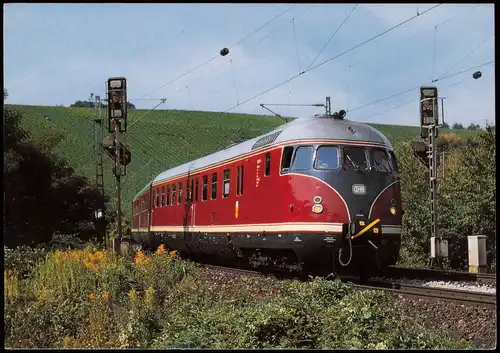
318	195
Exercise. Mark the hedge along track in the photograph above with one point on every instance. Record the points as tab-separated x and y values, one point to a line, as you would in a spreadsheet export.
484	300
430	274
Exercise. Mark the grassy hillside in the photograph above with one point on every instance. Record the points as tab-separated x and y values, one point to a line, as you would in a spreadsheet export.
161	140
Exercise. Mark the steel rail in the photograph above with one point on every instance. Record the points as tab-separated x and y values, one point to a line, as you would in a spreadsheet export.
425	273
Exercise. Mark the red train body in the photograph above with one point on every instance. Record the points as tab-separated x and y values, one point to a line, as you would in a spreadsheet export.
291	198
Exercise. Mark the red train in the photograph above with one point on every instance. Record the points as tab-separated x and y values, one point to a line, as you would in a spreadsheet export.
315	195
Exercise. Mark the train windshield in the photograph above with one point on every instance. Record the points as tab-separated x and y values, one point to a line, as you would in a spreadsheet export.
355	158
327	157
380	161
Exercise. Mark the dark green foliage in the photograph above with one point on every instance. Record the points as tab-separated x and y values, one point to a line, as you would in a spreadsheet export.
458	126
466	198
90	104
43	195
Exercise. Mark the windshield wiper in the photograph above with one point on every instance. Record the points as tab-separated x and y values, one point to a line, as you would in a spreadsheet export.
352	162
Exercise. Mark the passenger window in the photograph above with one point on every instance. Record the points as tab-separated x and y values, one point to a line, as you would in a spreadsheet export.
394	162
241	179
162	196
268	164
204	191
380	160
327	157
196	190
157	198
179	200
287	158
214	186
238	180
174	194
355	158
168	195
303	158
225	191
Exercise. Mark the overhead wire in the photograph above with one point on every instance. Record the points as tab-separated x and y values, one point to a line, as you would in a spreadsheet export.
417	34
464	58
216	56
245	50
416	87
333	35
335	57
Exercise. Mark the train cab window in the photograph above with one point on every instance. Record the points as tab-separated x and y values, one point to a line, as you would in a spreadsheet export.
303	158
162	196
157	204
214	186
204	186
394	162
196	190
380	160
225	190
168	195
327	157
355	158
268	164
174	194
286	160
179	200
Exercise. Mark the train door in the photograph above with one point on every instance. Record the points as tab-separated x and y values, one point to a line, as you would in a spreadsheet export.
192	199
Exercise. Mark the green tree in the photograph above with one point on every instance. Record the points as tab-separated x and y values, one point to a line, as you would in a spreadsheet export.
42	194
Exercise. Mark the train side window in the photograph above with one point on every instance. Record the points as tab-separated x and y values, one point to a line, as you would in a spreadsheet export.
174	194
238	180
162	196
168	195
225	190
380	160
214	186
204	186
394	162
241	179
196	190
303	158
286	160
157	197
190	196
327	157
179	200
268	164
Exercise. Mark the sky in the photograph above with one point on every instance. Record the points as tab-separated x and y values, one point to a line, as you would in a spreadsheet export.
56	54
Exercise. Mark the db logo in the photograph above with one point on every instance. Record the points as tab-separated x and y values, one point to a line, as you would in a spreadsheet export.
359	189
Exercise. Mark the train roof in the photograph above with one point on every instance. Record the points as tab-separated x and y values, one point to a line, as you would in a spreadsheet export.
317	127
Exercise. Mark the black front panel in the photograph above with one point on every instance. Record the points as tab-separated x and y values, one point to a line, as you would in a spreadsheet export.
358	173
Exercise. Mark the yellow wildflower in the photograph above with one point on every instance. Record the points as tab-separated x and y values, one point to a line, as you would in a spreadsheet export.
91	296
140	258
173	254
160	249
105	296
150	297
132	294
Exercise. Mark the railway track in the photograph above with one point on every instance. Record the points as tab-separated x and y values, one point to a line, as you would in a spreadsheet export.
430	274
480	299
484	300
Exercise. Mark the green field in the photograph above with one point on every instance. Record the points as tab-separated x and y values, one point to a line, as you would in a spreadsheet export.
160	140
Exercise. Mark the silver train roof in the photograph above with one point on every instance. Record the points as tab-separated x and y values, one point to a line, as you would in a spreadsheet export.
317	127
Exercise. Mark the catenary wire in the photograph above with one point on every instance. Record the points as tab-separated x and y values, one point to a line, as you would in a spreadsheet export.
333	35
335	57
216	56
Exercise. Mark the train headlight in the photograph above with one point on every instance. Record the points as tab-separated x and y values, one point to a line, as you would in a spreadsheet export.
317	208
393	210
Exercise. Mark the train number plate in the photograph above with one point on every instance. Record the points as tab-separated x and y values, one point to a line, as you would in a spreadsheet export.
359	189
